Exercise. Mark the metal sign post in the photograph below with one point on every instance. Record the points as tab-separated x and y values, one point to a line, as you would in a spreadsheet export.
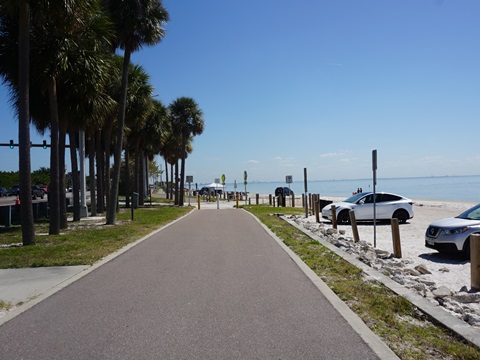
374	168
245	183
306	191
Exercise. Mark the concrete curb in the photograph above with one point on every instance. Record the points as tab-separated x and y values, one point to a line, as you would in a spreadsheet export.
372	339
436	312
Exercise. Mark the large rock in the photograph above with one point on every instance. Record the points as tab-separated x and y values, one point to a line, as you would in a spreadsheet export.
442	292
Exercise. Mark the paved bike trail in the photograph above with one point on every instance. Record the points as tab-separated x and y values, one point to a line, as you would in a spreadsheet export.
213	285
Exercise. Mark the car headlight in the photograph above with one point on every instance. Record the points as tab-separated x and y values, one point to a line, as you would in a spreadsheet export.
456	230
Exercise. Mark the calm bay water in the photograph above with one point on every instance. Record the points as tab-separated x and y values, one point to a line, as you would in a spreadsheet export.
459	188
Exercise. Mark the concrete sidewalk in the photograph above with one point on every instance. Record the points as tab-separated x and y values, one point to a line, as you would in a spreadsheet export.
214	285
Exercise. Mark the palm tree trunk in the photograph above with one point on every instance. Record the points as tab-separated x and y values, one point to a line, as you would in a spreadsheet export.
75	175
166	178
91	173
141	178
100	156
128	187
62	205
107	143
172	183
112	205
176	184
54	189
182	171
28	231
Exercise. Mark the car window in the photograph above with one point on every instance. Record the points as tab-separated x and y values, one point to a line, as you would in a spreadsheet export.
471	214
367	199
388	197
354	198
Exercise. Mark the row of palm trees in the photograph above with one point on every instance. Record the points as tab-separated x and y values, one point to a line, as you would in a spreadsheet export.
67	65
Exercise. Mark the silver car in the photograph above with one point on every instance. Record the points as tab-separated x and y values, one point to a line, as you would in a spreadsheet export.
451	235
387	206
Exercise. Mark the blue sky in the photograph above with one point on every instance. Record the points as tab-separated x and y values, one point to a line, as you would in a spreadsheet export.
318	84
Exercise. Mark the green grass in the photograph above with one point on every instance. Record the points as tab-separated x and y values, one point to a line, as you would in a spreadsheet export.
83	243
407	331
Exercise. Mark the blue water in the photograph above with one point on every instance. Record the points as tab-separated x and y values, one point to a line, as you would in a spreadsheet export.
455	188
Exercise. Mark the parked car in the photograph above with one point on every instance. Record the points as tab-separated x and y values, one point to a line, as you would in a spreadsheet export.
14	190
388	206
44	188
3	192
284	191
37	192
451	235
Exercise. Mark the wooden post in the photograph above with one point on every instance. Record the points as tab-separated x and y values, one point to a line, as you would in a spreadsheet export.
270	200
236	199
303	200
397	247
317	210
353	222
334	217
257	198
198	201
293	200
475	261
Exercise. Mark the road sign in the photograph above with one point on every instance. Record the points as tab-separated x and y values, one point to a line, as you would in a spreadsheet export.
245	177
189	179
223	179
289	179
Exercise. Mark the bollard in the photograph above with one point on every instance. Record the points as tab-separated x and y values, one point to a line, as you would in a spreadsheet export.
317	210
270	200
293	200
353	222
334	217
257	197
475	261
397	247
236	199
198	201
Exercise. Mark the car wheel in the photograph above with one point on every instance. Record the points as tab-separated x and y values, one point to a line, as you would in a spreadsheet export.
466	249
401	215
343	218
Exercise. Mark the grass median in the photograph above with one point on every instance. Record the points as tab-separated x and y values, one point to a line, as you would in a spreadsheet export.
84	242
402	326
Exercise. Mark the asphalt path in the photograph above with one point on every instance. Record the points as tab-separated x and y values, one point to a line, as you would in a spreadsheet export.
214	285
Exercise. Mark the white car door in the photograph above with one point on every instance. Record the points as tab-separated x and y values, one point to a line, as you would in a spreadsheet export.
364	208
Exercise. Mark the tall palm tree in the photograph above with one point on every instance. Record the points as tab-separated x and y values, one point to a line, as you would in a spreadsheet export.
15	36
138	23
187	121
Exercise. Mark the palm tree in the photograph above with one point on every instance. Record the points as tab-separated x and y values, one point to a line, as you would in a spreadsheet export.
137	23
15	25
187	121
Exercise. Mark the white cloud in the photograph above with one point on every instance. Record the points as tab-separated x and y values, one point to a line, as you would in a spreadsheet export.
253	162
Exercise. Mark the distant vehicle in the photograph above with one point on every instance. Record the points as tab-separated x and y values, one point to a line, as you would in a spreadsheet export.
284	191
14	190
451	235
388	206
37	192
44	188
3	192
206	190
